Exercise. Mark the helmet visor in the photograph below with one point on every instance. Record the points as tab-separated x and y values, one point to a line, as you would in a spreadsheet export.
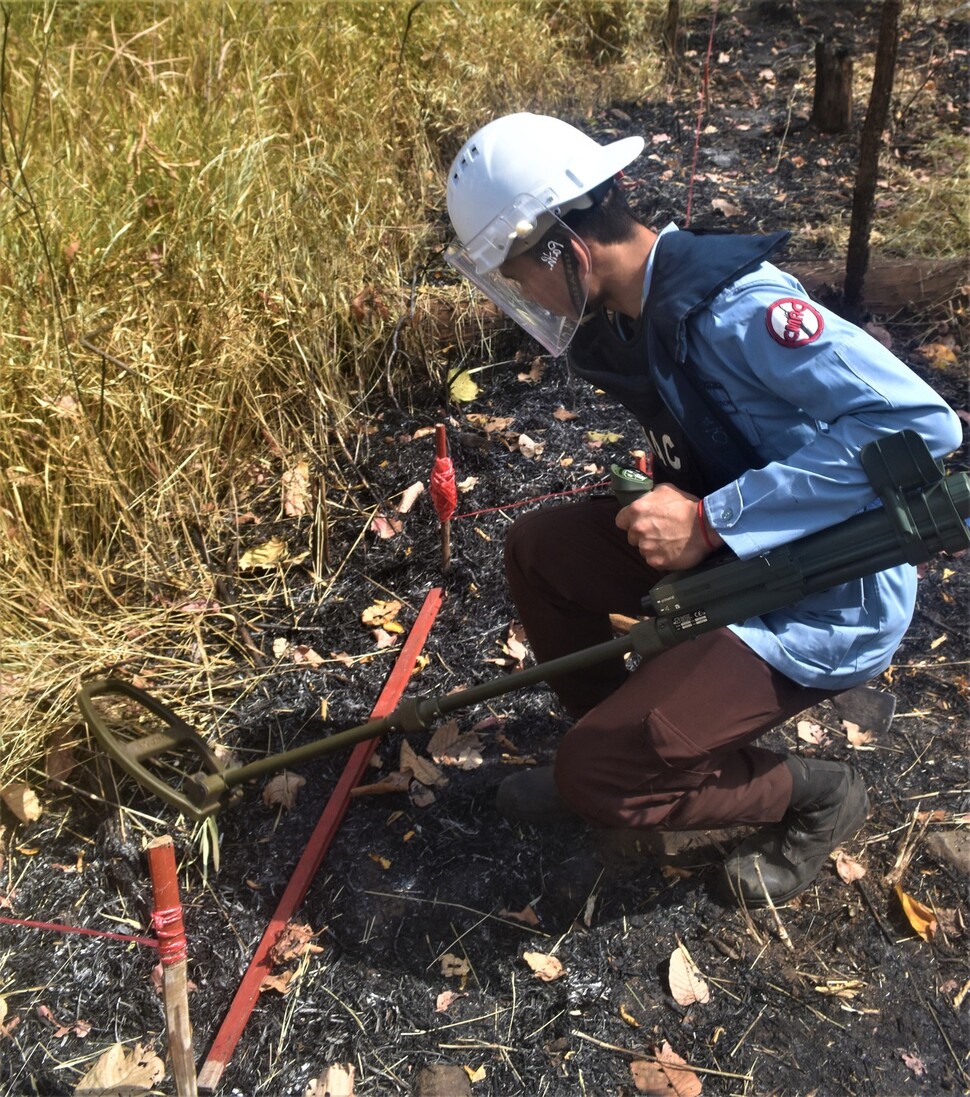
544	286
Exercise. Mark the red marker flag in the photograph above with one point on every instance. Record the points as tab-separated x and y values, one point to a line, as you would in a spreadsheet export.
444	493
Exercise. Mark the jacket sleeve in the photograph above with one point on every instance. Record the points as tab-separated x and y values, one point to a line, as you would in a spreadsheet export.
808	408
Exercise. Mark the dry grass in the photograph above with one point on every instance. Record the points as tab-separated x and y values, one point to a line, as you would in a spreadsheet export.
193	196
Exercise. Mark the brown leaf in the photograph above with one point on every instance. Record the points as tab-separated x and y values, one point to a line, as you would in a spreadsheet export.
563	415
687	985
394	782
22	801
280	982
283	789
526	914
119	1071
847	867
855	735
420	768
293	940
668	1076
547	968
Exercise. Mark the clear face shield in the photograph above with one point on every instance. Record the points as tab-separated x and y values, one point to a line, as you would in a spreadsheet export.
535	268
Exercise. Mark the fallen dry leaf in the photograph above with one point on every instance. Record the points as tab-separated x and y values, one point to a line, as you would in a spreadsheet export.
547	968
420	768
453	967
914	1062
847	867
446	999
263	556
22	801
563	415
668	1075
526	914
297	499
810	732
385	527
855	735
380	614
409	497
293	941
122	1072
475	1074
920	917
536	369
337	1080
279	983
528	447
687	985
283	789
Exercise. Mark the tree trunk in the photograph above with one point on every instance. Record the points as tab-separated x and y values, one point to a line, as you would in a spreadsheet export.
865	187
671	24
832	104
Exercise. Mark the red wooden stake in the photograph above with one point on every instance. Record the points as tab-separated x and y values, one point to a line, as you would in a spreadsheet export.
323	834
444	493
173	954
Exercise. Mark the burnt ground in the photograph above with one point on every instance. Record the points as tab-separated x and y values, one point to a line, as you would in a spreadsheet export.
855	1003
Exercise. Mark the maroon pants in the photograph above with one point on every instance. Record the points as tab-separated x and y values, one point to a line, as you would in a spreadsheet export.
669	744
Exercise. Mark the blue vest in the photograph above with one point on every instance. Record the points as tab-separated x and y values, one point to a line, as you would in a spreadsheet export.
689	271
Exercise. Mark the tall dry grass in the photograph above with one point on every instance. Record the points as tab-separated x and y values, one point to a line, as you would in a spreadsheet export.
193	194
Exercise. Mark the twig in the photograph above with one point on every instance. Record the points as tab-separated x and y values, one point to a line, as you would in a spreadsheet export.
782	932
641	1054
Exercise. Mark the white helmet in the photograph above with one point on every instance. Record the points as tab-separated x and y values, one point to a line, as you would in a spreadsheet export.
550	161
507	189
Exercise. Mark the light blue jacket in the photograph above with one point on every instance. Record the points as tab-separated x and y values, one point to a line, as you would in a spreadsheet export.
808	405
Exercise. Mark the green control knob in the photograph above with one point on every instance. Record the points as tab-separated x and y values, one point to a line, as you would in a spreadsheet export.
629	484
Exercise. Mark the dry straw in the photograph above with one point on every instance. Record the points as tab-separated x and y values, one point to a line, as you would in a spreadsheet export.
193	199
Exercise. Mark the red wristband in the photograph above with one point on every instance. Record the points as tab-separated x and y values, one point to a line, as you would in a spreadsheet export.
703	524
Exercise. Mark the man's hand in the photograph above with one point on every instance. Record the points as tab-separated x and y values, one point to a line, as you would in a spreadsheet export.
665	526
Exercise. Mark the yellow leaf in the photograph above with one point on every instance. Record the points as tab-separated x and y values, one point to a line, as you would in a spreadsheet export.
920	917
475	1075
384	862
264	555
380	614
939	355
628	1017
600	436
460	385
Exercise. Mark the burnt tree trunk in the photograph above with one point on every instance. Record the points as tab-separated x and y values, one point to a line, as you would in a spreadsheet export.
863	197
832	104
671	25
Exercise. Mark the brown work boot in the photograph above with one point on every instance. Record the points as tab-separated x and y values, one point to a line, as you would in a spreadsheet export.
530	796
829	804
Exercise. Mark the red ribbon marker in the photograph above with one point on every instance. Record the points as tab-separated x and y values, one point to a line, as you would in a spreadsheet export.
444	493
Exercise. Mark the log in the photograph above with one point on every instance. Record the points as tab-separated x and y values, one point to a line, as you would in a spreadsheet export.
891	284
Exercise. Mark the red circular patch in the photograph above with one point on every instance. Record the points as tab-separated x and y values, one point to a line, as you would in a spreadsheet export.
792	322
